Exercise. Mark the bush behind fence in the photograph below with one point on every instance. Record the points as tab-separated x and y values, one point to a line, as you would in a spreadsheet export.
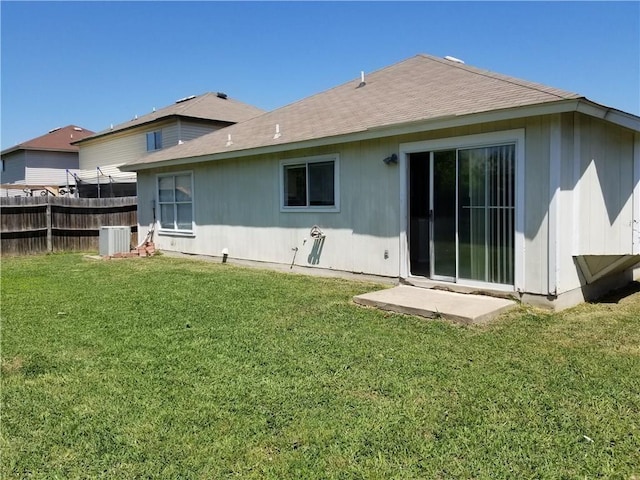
58	224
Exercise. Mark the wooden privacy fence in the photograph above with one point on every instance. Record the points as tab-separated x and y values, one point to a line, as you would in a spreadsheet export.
56	224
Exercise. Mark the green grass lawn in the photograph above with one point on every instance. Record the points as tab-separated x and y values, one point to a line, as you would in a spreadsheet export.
171	368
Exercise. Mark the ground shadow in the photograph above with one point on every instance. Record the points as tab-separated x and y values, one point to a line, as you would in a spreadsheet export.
620	294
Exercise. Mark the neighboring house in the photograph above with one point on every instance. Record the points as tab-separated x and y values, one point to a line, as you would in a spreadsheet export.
429	170
41	162
103	153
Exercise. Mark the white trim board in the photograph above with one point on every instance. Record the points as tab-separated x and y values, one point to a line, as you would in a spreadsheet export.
555	157
636	195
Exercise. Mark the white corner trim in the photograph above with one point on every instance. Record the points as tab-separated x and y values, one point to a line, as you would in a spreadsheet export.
577	164
403	165
635	227
519	254
555	154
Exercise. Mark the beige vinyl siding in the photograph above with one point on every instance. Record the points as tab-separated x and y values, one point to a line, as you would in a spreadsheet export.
112	151
14	167
127	146
190	130
170	135
49	168
118	148
185	131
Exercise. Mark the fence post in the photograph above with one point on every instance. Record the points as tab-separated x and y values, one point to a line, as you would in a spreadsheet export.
49	232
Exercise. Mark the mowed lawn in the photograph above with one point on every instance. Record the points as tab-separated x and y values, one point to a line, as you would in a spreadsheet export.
174	368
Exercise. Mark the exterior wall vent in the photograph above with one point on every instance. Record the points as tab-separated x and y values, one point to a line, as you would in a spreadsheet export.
453	59
190	97
114	240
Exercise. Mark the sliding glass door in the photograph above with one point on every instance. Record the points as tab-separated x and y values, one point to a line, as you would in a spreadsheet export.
486	210
472	213
443	215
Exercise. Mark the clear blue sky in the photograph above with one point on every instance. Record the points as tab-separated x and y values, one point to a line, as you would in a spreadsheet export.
93	64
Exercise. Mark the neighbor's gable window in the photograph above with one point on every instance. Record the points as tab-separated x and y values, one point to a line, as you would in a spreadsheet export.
175	201
310	183
154	140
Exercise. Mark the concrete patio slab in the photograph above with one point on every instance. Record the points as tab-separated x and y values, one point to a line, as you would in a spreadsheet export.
457	307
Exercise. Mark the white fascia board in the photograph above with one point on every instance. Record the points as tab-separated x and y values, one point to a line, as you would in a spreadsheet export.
612	115
108	135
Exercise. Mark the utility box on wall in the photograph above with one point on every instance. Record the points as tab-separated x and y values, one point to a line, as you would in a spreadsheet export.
114	240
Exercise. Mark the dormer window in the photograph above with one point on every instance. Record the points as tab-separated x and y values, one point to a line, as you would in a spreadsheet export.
154	140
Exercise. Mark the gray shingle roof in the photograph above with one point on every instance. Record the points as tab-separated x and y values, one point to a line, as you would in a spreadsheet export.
208	106
417	89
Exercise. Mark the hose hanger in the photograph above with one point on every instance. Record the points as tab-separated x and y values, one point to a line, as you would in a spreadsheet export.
316	232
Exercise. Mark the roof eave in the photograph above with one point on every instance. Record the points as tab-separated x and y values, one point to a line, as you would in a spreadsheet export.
609	114
11	150
581	105
37	149
147	123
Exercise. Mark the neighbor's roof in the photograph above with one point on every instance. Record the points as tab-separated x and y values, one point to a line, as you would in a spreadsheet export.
208	106
422	88
57	140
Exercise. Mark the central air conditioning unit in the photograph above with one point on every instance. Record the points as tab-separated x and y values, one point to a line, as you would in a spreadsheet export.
114	240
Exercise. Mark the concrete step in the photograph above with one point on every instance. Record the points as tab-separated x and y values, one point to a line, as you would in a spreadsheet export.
457	307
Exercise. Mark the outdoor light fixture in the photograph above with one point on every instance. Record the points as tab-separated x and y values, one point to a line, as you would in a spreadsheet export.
393	159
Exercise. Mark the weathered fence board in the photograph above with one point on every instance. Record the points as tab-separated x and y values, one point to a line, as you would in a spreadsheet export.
73	225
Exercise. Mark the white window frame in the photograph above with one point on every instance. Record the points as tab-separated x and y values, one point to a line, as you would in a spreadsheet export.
174	231
516	137
305	161
157	135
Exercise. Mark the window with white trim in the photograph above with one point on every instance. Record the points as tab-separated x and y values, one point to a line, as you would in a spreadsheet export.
310	183
154	140
175	202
